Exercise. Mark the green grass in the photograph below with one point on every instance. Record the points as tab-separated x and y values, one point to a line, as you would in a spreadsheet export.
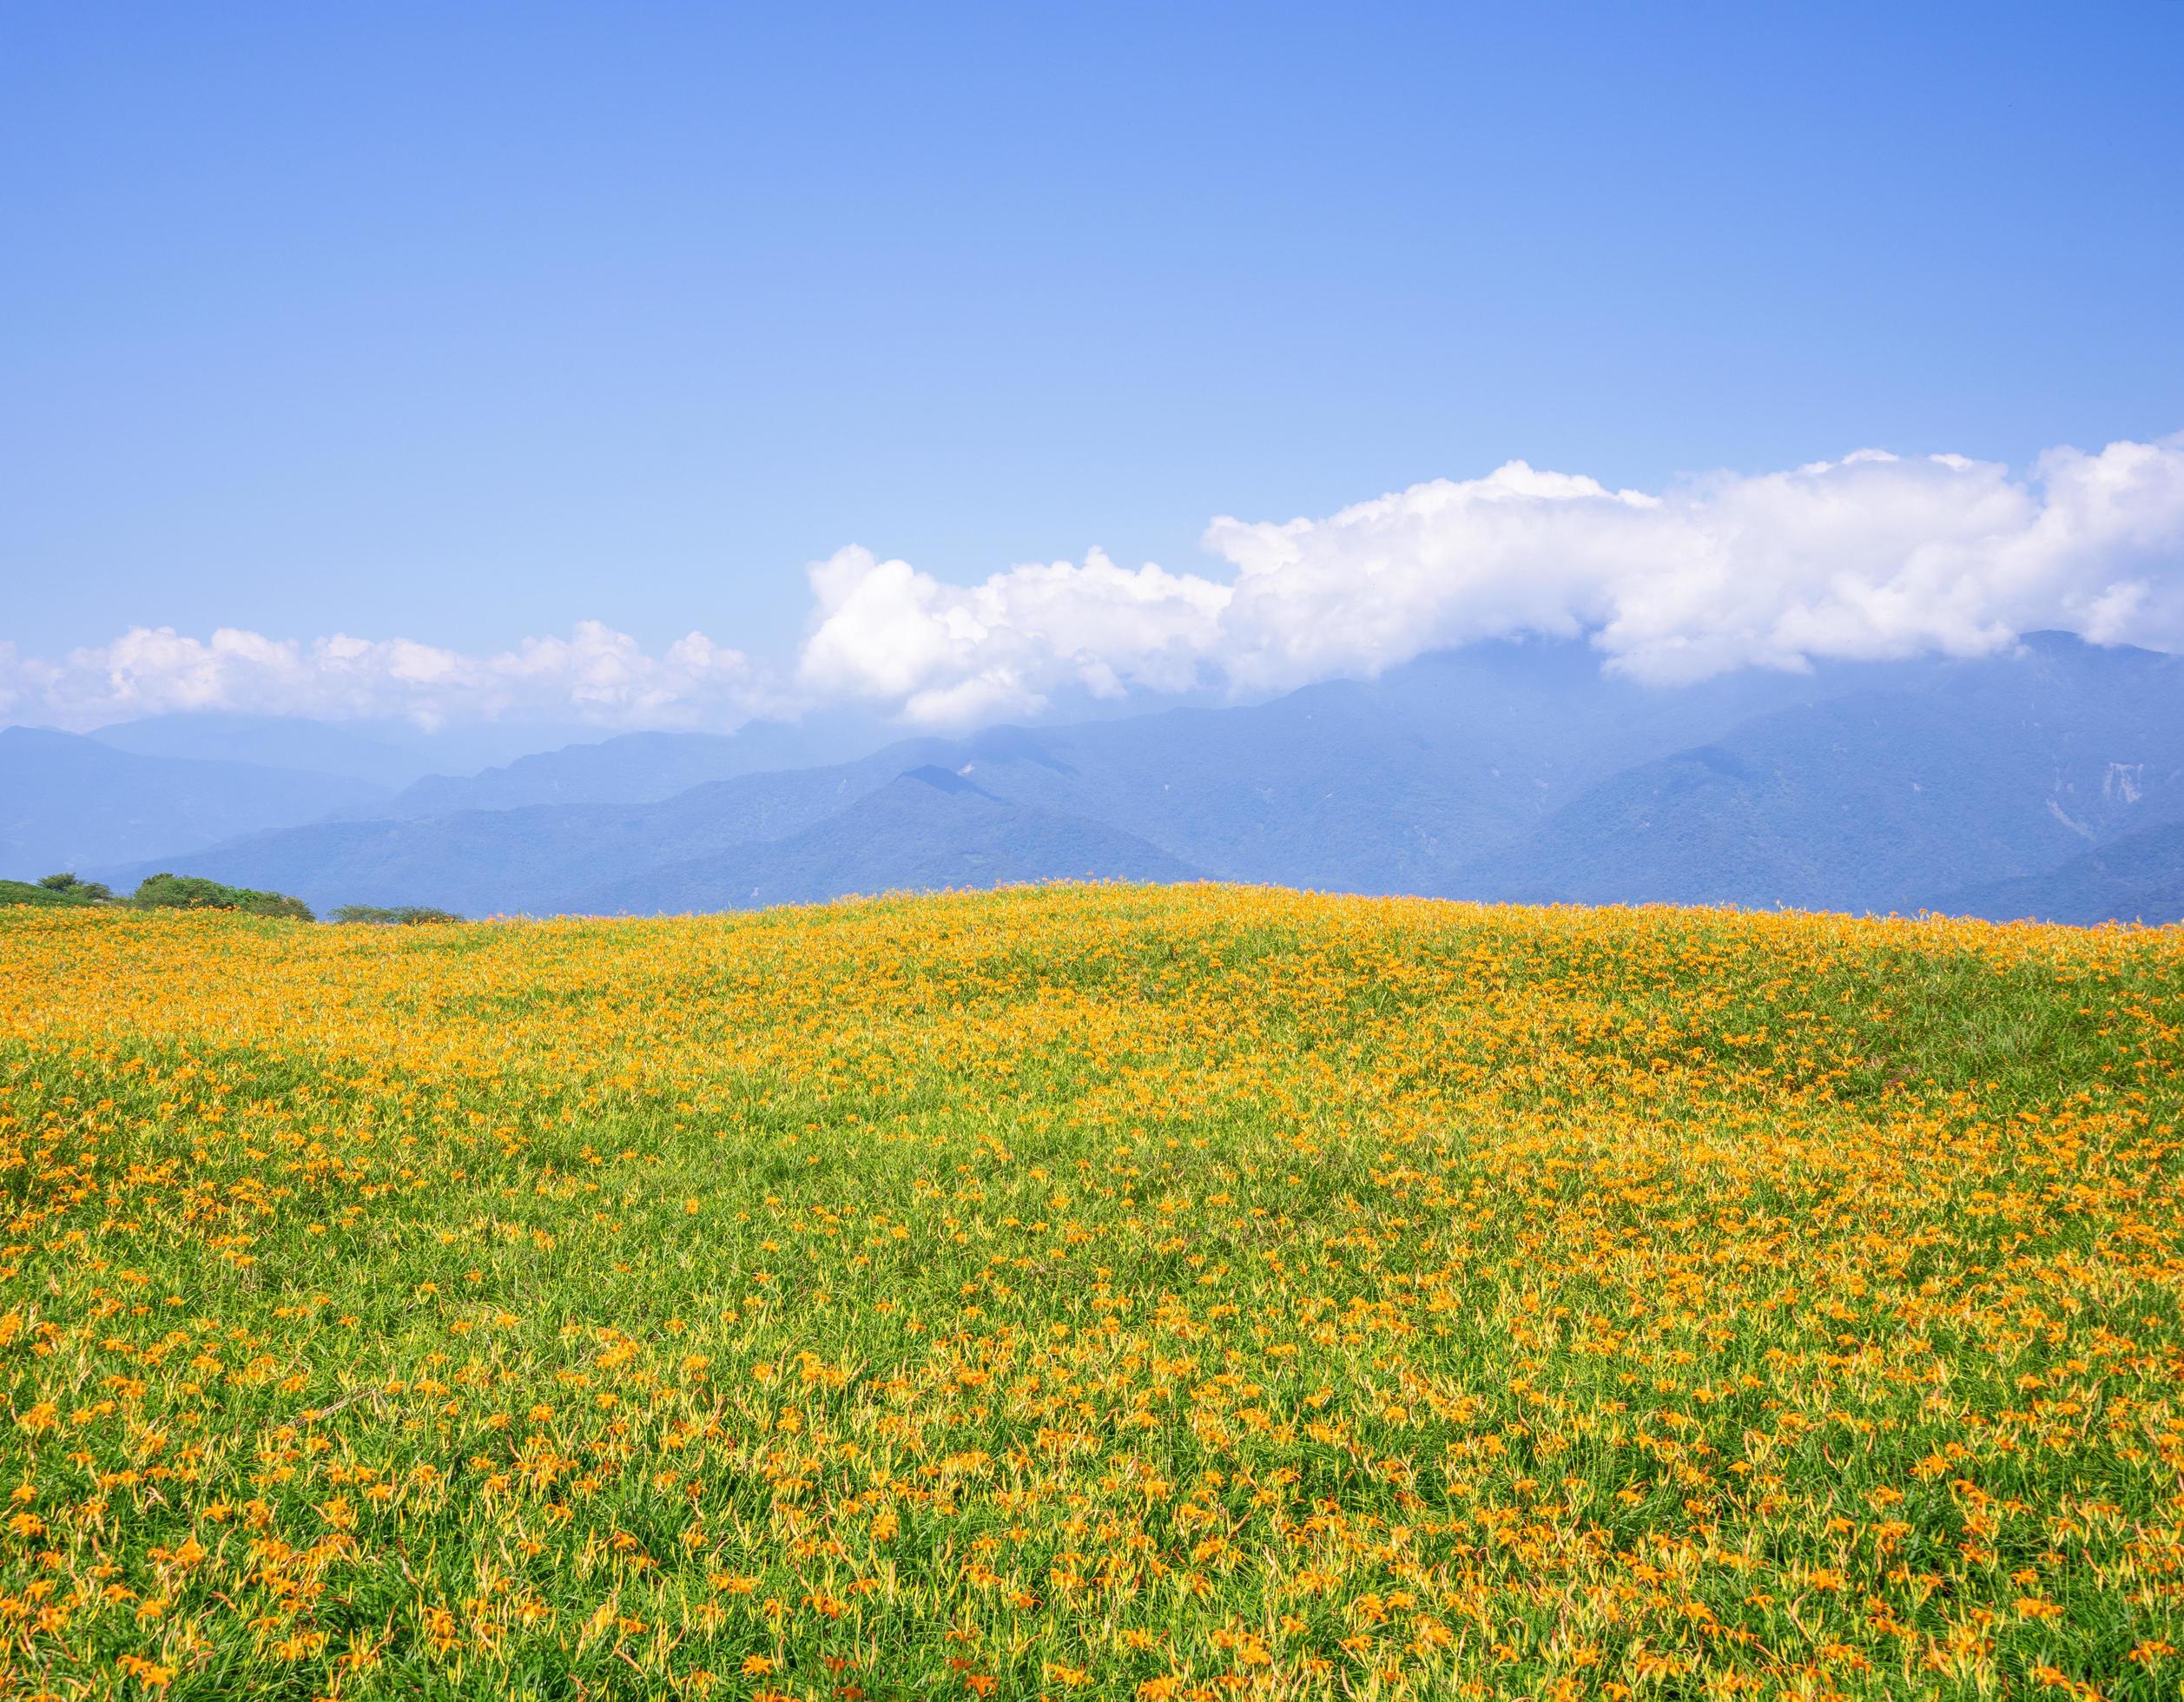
1105	1292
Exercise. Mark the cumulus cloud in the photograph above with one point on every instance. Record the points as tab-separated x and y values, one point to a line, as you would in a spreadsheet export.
595	674
1873	556
1870	556
956	653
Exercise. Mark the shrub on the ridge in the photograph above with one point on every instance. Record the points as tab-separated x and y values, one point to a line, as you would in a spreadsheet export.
24	892
193	892
72	890
396	915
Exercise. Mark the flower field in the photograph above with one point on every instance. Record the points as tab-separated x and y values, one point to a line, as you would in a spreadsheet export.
1091	1291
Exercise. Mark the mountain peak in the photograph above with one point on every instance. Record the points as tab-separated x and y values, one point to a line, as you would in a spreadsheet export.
2049	641
943	780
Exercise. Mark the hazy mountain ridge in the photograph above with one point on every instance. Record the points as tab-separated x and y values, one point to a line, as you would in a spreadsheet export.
68	801
2138	878
1510	771
632	768
1383	784
268	741
537	859
2004	767
389	754
941	830
1374	785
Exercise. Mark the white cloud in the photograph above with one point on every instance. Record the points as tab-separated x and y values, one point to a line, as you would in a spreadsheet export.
952	655
595	674
1872	556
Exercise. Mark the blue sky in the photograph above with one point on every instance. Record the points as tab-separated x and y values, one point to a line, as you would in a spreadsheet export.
461	324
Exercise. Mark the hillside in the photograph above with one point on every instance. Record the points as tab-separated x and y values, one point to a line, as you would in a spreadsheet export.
1112	1291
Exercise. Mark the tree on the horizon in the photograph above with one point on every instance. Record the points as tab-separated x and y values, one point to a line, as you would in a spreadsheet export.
85	892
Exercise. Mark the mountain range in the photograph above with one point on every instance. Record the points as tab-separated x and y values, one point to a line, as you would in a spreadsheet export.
69	802
2030	782
2137	878
1888	798
390	754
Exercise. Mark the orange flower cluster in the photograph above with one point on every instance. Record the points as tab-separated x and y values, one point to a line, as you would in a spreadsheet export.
1091	1291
